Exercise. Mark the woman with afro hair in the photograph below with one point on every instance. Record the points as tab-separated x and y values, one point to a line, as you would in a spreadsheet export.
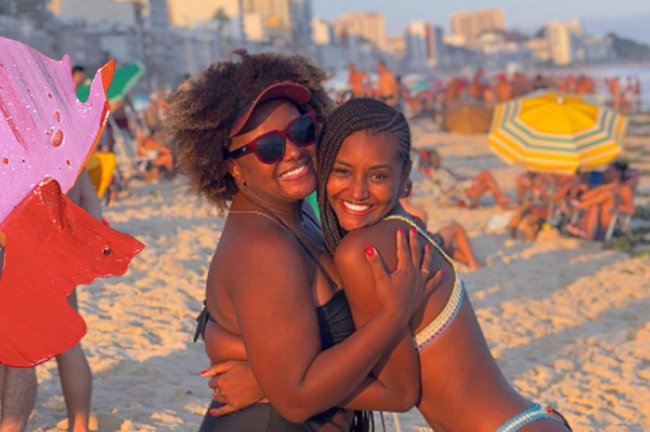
245	134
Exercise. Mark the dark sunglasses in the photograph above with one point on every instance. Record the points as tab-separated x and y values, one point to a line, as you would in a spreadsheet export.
270	147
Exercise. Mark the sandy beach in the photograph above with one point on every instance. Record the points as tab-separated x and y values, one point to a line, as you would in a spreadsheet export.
568	321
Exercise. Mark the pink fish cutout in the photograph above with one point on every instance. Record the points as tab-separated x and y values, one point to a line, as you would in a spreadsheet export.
45	132
64	247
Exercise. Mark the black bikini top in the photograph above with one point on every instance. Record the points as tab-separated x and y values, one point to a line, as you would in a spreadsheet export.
334	317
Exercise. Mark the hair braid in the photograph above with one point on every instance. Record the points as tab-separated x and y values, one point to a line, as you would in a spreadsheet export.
360	114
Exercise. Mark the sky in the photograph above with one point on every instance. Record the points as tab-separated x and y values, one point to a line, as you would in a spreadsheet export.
626	17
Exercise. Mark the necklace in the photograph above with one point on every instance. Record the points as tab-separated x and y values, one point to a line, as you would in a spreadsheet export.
258	213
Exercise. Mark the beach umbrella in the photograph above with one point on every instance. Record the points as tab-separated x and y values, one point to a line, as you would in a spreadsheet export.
101	167
554	132
467	118
125	77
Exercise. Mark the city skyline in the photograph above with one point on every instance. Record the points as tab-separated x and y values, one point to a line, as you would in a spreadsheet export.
628	18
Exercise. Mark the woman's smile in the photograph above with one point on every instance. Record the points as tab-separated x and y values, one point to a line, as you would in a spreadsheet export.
366	179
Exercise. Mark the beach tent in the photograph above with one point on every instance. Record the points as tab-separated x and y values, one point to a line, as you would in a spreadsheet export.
467	118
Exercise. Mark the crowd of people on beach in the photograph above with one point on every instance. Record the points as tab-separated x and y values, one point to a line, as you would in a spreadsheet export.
591	205
432	96
382	316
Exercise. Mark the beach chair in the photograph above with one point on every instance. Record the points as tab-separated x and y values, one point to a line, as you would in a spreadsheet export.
621	221
620	224
441	192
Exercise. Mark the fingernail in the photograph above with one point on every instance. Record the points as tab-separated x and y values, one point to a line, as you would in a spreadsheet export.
213	412
429	247
203	372
442	274
400	230
370	251
413	230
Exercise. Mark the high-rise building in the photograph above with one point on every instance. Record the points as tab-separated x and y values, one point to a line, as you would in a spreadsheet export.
275	14
321	31
53	6
424	45
469	25
154	13
158	15
301	25
185	13
33	9
564	41
97	11
396	46
367	25
540	49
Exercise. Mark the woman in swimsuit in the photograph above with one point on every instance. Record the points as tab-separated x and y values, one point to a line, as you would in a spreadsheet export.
245	133
364	164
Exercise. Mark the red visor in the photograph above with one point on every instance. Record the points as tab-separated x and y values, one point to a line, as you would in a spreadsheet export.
281	90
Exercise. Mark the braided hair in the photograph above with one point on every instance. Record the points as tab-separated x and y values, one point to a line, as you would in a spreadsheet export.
360	114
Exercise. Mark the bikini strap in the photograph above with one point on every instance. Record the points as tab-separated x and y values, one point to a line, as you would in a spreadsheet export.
320	266
424	233
314	258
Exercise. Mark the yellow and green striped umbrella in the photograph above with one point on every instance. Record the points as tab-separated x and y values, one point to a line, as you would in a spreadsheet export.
555	132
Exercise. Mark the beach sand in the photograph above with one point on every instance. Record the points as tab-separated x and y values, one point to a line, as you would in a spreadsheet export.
568	321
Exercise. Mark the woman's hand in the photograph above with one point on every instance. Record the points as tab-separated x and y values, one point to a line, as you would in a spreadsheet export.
234	386
402	292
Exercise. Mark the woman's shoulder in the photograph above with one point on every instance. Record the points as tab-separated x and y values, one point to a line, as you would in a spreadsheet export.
259	238
379	235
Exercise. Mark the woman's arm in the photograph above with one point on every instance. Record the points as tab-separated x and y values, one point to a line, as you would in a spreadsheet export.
397	374
280	329
235	385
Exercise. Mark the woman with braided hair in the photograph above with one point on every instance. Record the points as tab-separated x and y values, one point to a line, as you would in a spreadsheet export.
244	133
364	165
363	168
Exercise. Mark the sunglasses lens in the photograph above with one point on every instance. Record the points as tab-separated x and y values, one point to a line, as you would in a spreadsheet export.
270	148
302	131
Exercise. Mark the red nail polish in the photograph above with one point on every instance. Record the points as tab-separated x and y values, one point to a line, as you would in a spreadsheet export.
370	251
442	274
429	247
413	230
400	230
213	412
204	371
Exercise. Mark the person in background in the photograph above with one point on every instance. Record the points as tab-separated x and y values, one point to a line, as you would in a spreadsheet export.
601	203
468	190
17	386
504	89
79	76
452	238
74	371
359	82
532	189
387	86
